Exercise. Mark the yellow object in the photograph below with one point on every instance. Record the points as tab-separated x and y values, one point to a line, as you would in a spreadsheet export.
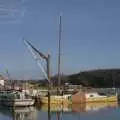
102	99
54	100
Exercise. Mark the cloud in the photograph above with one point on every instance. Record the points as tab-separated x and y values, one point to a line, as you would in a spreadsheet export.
12	10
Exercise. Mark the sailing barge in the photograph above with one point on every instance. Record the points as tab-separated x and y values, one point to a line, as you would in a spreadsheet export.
78	98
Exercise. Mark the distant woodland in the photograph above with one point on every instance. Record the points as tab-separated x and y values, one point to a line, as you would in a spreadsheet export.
97	78
93	78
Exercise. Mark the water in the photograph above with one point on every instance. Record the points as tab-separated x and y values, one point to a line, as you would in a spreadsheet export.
101	111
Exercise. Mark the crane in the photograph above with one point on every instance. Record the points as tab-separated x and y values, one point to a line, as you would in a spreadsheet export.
40	58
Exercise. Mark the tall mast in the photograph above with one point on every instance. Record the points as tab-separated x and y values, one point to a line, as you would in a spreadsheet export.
59	54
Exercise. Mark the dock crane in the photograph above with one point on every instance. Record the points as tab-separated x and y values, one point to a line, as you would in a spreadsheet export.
40	58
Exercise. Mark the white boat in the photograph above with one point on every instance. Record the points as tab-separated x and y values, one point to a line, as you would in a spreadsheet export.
19	99
88	97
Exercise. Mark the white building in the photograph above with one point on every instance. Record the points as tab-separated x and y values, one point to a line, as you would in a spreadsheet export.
2	81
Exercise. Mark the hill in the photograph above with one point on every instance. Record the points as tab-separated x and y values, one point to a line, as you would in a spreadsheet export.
97	78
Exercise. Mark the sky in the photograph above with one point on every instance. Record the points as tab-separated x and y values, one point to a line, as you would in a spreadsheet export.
90	35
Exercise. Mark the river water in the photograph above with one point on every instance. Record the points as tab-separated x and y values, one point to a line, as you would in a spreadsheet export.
96	111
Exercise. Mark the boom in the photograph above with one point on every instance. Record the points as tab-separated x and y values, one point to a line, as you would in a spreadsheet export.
39	57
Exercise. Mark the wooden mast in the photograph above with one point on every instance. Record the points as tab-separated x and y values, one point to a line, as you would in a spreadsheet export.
59	51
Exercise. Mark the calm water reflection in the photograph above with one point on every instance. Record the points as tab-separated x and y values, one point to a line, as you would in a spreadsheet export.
104	111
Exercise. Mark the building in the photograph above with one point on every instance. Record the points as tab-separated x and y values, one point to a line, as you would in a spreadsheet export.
2	81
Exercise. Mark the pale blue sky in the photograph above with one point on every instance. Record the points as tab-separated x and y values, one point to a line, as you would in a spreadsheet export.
91	35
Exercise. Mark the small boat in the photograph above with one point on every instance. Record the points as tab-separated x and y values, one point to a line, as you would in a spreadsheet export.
88	97
97	97
18	99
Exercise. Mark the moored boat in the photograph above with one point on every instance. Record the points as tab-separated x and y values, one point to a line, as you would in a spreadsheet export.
96	97
87	97
19	99
78	98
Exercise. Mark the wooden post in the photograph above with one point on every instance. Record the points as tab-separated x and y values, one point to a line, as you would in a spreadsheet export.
49	85
48	70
